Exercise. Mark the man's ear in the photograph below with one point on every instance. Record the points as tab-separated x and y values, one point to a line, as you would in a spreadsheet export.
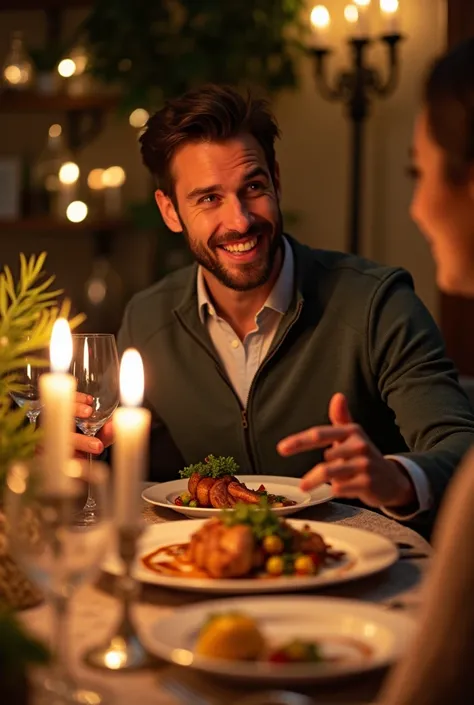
276	180
168	212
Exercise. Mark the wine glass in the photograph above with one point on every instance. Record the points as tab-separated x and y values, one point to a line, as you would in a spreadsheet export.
56	553
27	395
95	366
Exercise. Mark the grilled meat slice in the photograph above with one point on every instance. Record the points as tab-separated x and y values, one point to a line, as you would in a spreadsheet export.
241	493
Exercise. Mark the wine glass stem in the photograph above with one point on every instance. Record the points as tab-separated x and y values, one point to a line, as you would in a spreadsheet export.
60	606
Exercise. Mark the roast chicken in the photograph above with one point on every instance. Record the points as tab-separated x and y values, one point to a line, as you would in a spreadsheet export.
233	551
221	493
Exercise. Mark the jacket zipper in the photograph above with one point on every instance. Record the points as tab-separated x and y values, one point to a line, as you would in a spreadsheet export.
245	414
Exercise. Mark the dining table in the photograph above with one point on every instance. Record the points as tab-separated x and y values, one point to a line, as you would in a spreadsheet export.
95	611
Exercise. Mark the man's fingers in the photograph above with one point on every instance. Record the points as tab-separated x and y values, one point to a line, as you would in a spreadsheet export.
106	433
316	437
86	444
337	471
339	413
352	447
82	398
356	487
82	411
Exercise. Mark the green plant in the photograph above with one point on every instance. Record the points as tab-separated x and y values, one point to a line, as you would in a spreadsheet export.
17	648
28	311
154	50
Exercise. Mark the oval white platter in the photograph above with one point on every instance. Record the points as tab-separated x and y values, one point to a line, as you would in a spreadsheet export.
358	636
163	494
365	553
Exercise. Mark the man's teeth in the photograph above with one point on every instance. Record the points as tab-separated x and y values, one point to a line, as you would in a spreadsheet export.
241	246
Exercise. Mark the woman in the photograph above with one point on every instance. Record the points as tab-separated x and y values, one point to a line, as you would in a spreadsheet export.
439	669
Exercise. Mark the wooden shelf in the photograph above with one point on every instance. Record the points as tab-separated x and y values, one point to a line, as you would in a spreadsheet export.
11	102
46	224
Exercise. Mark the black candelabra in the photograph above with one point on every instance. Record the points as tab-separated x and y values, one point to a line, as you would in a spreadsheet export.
356	88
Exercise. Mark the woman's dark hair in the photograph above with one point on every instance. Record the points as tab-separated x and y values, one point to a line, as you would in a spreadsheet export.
212	114
449	100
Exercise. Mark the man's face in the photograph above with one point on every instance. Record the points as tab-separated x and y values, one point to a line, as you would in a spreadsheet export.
228	209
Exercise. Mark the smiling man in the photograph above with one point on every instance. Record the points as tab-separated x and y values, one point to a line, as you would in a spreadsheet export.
264	337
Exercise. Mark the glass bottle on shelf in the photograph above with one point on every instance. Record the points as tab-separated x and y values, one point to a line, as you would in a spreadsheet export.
51	196
103	295
17	70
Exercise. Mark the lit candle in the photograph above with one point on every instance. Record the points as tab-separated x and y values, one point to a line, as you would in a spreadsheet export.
131	431
57	392
363	17
320	23
390	14
351	14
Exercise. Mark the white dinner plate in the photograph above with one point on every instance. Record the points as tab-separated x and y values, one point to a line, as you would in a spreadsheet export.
363	636
365	553
163	494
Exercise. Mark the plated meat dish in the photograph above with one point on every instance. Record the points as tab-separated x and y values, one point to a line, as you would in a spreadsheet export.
213	484
246	542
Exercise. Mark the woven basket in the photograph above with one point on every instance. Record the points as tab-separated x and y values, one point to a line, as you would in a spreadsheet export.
16	590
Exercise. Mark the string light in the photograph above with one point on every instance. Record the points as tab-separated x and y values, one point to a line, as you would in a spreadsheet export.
66	68
76	211
69	173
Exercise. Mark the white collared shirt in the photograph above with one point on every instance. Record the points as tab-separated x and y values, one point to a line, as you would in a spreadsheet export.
242	359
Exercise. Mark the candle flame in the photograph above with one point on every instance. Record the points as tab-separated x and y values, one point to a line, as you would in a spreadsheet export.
60	348
389	6
132	378
320	17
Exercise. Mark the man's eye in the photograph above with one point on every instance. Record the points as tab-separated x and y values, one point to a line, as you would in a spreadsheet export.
413	172
211	198
255	187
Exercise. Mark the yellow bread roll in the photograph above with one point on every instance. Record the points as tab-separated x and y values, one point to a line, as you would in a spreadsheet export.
231	636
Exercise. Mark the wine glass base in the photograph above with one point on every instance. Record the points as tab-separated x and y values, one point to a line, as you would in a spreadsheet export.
120	654
55	692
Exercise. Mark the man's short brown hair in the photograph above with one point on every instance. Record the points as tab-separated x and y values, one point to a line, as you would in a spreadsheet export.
211	114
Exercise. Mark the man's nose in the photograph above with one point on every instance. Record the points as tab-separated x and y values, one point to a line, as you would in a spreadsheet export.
237	216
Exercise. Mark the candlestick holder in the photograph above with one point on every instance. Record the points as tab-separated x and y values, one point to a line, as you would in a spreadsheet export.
356	88
124	650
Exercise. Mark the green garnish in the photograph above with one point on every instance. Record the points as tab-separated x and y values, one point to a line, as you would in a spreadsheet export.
212	467
260	518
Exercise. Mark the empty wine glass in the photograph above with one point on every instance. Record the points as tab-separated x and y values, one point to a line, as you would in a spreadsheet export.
56	553
27	396
95	366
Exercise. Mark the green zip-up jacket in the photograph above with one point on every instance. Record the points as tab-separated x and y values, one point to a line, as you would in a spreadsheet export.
353	327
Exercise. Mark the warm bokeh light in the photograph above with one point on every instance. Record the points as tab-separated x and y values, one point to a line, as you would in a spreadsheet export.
60	347
55	130
69	173
79	57
351	14
113	176
139	117
362	3
76	211
66	68
389	6
95	179
12	74
132	378
320	17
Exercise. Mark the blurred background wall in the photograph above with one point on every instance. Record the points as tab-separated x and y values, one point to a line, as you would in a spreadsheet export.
314	156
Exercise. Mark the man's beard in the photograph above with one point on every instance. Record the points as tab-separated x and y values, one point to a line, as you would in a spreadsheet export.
248	275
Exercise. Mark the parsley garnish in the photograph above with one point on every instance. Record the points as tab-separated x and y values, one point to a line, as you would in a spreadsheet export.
212	467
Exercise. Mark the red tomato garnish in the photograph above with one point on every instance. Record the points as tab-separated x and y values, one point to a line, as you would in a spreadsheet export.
261	488
178	501
279	657
316	558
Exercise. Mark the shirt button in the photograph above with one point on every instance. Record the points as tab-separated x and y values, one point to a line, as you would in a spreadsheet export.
235	343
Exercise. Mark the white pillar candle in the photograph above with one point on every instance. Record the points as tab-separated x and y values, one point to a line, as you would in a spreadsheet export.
391	16
131	431
57	392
